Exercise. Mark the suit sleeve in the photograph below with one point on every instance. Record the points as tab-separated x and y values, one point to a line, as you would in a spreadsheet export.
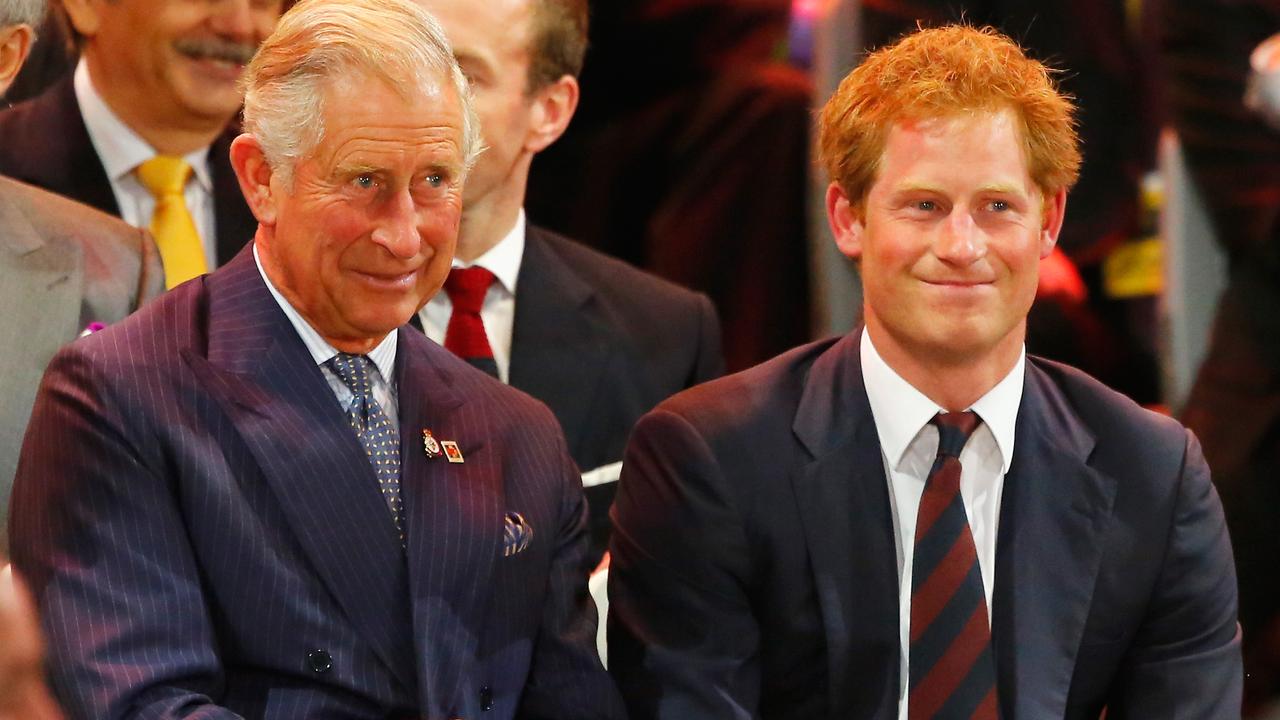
566	679
1185	660
710	360
683	639
97	533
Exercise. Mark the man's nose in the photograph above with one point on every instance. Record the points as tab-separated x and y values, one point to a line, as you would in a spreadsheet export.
233	20
960	240
397	227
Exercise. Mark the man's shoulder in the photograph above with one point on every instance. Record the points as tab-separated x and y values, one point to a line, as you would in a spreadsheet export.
56	218
1121	428
31	127
612	277
760	399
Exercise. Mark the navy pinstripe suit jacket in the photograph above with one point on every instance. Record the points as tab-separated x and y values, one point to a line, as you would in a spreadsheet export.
205	537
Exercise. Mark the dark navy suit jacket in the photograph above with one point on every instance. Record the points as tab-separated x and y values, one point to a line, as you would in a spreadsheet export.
205	536
45	143
754	569
601	343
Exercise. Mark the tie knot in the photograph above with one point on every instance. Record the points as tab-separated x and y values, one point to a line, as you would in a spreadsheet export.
353	371
954	430
466	287
164	175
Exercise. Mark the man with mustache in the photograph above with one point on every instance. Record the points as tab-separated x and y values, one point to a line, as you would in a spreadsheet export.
142	128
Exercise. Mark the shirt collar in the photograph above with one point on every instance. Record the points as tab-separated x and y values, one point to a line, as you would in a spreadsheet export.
901	411
119	147
383	356
503	259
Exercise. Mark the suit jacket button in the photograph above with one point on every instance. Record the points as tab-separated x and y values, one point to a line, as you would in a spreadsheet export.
486	698
319	661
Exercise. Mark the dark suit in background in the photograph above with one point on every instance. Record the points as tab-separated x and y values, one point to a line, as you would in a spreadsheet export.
602	343
200	525
1113	586
47	145
1234	406
697	171
63	266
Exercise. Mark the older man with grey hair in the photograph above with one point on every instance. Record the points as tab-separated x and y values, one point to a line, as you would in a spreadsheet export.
18	20
264	497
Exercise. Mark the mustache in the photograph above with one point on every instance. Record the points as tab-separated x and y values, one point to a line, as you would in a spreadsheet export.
217	49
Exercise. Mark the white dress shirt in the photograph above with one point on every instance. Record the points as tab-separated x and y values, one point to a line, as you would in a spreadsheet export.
122	150
908	446
498	313
383	357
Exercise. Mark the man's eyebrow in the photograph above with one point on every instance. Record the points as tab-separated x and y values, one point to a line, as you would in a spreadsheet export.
1007	188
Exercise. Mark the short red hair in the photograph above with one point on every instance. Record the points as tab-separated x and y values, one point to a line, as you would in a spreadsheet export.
941	73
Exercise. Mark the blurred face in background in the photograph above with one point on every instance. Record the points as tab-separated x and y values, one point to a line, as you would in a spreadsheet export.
171	62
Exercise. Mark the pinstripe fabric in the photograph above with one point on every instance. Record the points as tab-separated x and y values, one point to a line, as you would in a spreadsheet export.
200	525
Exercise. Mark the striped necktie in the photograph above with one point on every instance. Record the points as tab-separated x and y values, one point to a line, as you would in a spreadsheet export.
379	437
952	668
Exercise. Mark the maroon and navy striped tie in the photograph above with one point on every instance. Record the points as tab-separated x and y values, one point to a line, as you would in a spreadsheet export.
952	668
465	336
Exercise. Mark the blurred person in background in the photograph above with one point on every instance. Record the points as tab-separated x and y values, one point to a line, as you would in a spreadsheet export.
142	128
597	340
64	269
693	163
1234	407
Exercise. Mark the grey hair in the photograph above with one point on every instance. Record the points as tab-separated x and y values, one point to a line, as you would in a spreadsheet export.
22	12
318	42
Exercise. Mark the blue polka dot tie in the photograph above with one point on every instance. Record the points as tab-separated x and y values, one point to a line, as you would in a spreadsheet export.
378	436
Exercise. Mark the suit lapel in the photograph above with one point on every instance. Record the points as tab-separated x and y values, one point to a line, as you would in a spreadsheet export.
454	513
271	389
559	346
844	507
1053	510
69	165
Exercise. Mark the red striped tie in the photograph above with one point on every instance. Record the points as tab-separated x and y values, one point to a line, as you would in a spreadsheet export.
952	668
465	335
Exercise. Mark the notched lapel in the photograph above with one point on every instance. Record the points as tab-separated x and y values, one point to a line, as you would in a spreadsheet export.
560	348
454	514
1054	511
275	396
844	507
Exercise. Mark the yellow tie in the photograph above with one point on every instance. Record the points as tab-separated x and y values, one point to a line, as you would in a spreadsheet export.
175	231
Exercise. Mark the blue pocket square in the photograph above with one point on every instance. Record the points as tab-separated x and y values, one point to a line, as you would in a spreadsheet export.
516	534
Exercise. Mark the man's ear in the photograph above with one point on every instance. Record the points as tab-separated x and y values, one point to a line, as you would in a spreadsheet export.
846	221
15	44
1055	209
84	16
551	108
254	174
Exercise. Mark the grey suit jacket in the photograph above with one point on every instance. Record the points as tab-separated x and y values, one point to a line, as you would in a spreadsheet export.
62	266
